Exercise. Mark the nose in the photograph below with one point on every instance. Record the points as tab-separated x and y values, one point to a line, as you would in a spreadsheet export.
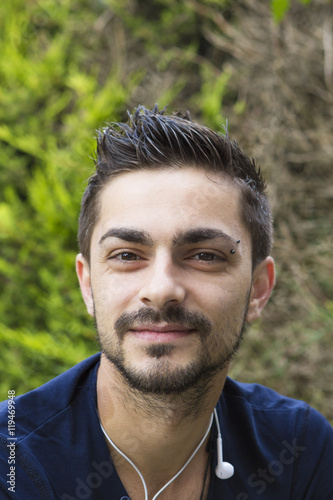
162	285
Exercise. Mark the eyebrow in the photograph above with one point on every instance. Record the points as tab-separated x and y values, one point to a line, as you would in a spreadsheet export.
200	234
191	236
130	235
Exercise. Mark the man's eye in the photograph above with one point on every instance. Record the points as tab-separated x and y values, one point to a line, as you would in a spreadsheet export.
125	256
206	256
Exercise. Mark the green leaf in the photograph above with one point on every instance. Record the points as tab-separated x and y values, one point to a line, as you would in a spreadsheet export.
279	9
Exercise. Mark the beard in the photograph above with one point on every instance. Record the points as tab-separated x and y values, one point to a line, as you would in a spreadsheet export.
161	376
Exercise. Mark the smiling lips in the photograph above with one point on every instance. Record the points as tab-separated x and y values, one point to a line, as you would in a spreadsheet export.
156	333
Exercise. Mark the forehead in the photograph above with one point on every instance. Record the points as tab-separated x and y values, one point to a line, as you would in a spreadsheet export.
167	201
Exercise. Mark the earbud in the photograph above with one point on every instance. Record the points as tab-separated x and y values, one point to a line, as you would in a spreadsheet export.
223	470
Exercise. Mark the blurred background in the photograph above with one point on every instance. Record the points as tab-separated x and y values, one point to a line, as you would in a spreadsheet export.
67	67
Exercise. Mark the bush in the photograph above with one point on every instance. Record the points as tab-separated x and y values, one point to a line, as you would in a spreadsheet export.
55	93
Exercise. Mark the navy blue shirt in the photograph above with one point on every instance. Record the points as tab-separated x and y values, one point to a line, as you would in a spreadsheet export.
280	448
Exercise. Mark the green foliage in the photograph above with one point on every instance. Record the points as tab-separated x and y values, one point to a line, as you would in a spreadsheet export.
281	7
52	99
210	99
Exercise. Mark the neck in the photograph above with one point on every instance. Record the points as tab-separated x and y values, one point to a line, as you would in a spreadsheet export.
157	432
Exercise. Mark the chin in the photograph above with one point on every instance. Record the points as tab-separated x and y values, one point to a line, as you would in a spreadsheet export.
161	374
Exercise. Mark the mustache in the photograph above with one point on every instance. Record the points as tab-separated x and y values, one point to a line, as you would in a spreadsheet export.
192	320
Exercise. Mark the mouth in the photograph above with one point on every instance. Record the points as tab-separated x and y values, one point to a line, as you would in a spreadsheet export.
160	333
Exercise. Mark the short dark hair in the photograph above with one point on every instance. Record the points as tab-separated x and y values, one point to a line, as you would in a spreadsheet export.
150	140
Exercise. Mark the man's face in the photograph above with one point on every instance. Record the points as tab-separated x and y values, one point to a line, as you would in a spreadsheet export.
170	276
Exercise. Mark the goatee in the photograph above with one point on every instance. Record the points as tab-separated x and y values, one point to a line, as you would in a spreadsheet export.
160	376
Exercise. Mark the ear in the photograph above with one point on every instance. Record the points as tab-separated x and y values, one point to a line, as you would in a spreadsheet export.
262	286
83	273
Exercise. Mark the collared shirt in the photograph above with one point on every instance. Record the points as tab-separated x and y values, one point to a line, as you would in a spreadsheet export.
280	448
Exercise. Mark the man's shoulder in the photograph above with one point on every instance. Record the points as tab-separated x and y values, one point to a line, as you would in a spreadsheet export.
269	409
260	397
41	404
277	433
51	424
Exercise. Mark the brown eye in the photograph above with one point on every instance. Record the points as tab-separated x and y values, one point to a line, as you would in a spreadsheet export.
206	256
124	256
128	256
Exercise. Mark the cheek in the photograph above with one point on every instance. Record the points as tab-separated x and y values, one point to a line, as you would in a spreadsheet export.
112	293
226	305
218	294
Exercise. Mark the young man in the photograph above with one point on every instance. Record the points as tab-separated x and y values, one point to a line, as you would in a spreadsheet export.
175	235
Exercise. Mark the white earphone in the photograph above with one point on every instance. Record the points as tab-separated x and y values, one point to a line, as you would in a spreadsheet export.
223	470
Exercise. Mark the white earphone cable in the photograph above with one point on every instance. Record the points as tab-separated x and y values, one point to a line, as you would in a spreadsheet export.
189	460
217	424
128	460
174	477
